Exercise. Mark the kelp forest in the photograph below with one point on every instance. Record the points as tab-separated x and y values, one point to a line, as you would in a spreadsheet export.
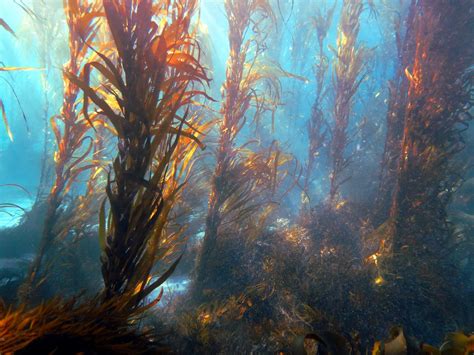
237	177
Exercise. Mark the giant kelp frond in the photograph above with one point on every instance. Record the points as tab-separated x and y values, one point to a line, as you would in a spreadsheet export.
250	183
244	180
395	118
438	108
71	131
73	327
348	76
152	83
322	21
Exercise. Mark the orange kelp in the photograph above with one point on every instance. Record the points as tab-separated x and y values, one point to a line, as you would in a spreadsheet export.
243	177
437	110
146	99
146	94
419	242
71	131
348	76
395	119
73	327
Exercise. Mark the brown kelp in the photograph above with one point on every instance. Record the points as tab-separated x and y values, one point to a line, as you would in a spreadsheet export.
436	113
242	177
153	87
71	131
395	118
71	327
317	129
46	32
348	75
146	99
417	240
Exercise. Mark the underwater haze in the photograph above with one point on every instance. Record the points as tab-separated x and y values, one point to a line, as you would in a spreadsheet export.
236	176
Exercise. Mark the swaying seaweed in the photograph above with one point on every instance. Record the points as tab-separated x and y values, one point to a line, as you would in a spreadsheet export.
395	119
348	75
242	176
150	88
72	327
71	131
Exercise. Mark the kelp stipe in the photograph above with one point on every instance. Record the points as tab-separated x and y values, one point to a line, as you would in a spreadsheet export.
348	75
72	133
416	247
242	178
437	111
150	88
317	123
395	118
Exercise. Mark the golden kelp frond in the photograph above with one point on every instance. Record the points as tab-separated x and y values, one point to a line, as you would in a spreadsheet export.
347	76
71	131
261	79
5	121
19	68
152	81
73	327
246	69
250	184
169	244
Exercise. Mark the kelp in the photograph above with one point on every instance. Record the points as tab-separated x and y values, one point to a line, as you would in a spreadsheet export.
8	69
46	32
5	206
72	133
158	134
7	27
395	118
148	91
416	254
348	75
436	113
243	178
75	326
317	130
